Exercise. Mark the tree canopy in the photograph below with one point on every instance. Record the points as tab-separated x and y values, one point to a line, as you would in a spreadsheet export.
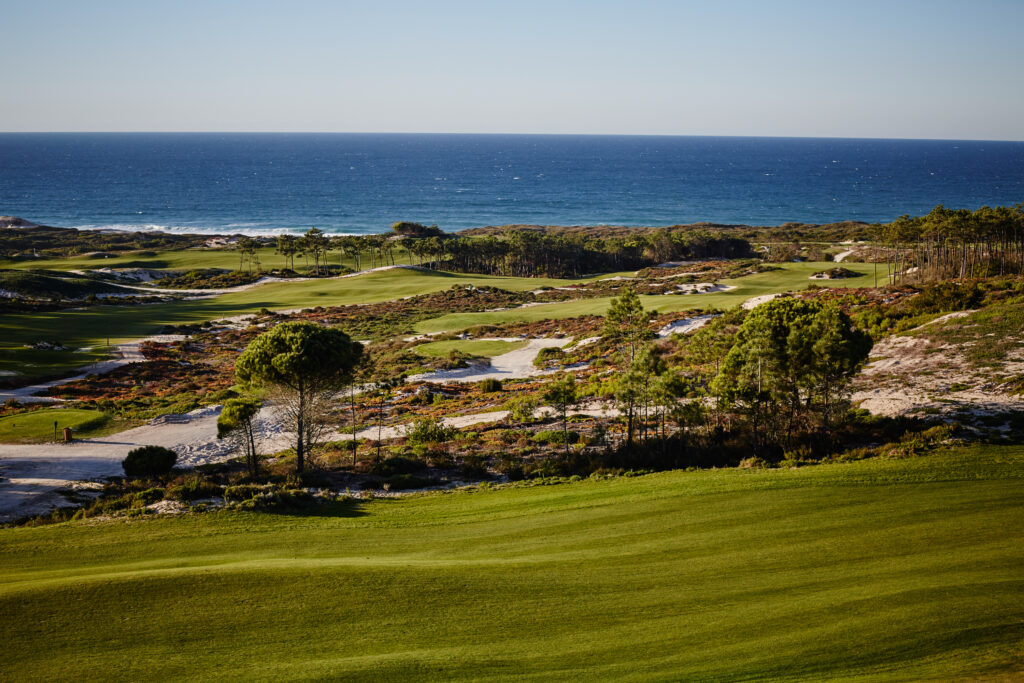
792	358
307	364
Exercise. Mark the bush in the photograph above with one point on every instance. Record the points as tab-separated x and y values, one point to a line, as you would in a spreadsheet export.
521	408
548	355
398	465
490	385
149	461
194	488
555	436
429	430
242	492
401	482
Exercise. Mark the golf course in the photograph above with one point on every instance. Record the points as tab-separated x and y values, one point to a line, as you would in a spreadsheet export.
93	327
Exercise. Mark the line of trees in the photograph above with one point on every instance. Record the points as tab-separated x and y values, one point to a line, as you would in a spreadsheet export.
519	253
955	243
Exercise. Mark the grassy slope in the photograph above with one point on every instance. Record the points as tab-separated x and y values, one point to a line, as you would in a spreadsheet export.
38	425
486	348
794	276
877	570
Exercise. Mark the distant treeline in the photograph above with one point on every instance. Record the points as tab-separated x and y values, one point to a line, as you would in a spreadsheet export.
787	232
955	243
531	254
519	253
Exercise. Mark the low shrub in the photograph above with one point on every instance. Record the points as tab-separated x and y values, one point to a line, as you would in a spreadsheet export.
398	465
547	356
490	385
149	461
521	408
403	482
428	431
240	492
552	436
194	488
473	467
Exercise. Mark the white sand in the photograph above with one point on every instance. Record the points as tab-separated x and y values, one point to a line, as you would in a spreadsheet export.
515	364
755	301
686	325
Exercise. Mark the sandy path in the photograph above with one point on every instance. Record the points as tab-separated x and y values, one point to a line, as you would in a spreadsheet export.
33	473
515	364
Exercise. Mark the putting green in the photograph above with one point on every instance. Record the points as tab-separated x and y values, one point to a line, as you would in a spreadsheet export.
875	570
487	348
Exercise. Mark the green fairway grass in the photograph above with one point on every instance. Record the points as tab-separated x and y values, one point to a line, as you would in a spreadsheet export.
871	571
792	276
38	425
488	348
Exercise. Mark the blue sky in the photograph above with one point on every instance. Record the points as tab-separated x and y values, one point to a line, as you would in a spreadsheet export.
838	69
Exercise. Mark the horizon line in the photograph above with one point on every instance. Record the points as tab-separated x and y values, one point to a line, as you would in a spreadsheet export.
494	134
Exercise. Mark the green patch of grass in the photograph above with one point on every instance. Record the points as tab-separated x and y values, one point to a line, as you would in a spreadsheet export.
37	425
874	570
486	348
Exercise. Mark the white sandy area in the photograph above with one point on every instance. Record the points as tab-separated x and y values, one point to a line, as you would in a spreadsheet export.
838	258
703	288
755	301
909	374
686	325
34	477
515	364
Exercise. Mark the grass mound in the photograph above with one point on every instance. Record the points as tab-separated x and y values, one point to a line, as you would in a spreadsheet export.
875	570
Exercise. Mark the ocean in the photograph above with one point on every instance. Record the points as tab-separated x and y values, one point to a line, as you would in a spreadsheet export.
362	183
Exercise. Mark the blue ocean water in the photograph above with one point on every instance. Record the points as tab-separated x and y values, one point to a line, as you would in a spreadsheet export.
252	183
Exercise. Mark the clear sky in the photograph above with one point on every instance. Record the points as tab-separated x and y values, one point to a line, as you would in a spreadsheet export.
855	68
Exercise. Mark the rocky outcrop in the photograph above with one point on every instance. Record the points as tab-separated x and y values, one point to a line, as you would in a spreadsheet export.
15	222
